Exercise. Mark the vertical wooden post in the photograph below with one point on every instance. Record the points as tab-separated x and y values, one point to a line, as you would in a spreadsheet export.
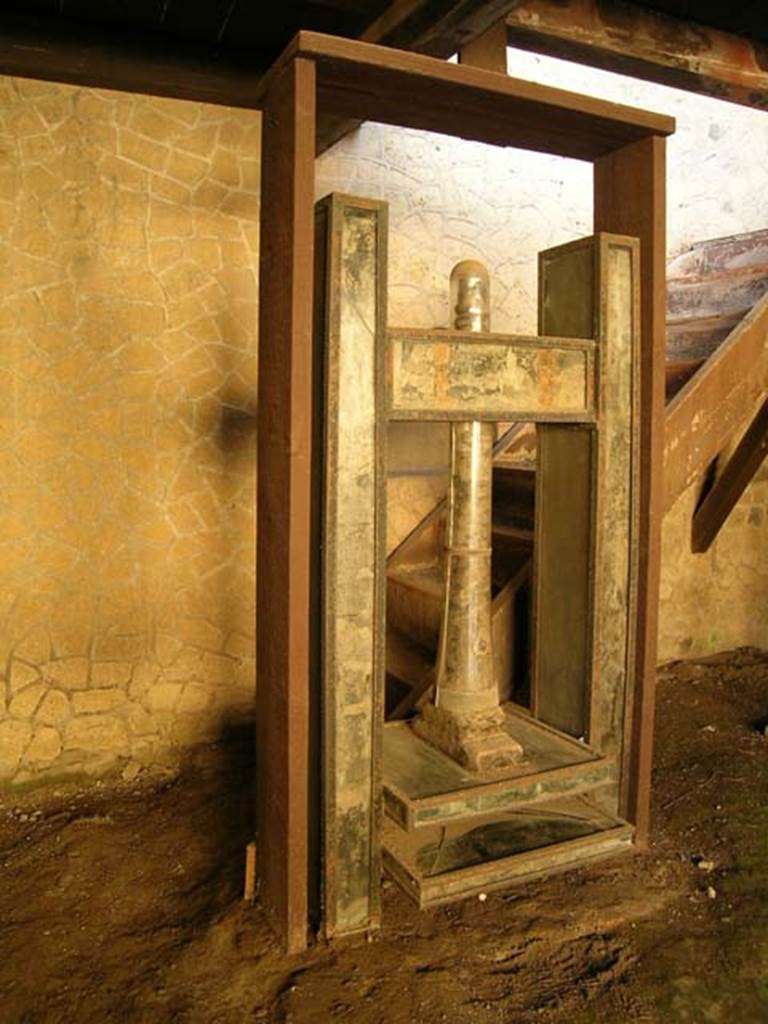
287	502
630	200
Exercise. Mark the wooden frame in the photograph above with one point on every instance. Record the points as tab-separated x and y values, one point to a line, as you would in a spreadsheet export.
346	79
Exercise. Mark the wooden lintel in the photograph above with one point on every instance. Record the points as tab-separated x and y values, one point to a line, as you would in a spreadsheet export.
631	40
46	49
731	483
357	80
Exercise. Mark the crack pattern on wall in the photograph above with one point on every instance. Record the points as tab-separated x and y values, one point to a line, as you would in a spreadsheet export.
129	244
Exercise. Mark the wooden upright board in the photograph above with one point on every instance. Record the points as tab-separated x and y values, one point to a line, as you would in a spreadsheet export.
587	503
350	290
287	506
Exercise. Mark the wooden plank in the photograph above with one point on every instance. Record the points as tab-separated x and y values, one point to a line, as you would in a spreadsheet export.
616	497
704	414
630	40
439	375
77	54
630	200
732	482
288	504
371	82
351	332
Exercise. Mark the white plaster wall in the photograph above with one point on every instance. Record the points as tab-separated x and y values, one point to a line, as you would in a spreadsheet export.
450	200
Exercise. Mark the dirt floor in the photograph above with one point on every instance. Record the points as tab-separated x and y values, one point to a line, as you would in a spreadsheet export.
121	903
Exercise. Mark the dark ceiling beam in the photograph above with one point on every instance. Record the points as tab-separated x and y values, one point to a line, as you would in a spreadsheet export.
626	38
51	50
438	28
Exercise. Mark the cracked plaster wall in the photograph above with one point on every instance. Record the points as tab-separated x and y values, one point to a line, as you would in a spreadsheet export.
129	242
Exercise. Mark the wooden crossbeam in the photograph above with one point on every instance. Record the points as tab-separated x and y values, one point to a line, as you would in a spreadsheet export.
732	482
447	375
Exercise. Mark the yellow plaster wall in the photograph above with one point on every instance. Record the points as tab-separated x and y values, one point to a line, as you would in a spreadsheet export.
128	256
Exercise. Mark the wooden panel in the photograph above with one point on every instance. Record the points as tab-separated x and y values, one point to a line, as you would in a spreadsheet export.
703	416
288	504
362	81
562	578
438	375
618	454
732	482
587	503
352	333
630	200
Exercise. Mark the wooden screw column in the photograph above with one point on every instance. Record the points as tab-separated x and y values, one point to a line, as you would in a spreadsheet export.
466	721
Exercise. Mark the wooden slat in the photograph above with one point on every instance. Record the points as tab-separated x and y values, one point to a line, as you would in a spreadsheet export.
288	503
370	82
732	482
705	413
630	199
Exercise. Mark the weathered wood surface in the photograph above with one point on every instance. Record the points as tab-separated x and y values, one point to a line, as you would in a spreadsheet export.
630	40
362	81
447	375
351	333
406	854
287	505
731	483
703	416
710	288
630	199
435	27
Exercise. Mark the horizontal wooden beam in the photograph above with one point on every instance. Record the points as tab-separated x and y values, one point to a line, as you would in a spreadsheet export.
631	40
50	50
446	375
704	415
357	80
731	483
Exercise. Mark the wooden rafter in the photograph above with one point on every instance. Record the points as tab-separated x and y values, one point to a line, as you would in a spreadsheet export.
729	486
631	40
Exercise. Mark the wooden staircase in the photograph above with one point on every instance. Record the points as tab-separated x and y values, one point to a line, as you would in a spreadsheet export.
717	369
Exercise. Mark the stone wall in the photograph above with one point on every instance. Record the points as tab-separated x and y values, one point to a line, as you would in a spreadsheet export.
129	243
